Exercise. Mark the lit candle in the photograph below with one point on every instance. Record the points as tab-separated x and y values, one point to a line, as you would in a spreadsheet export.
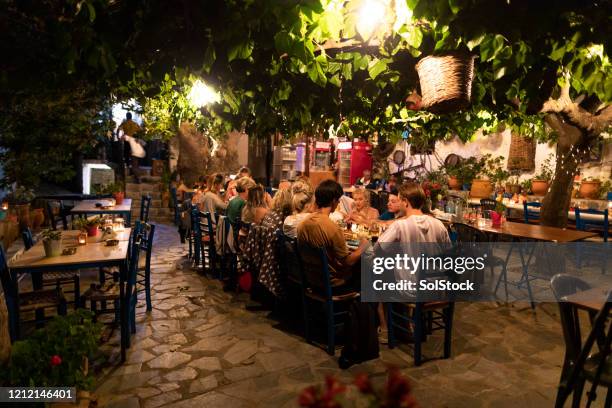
82	238
5	206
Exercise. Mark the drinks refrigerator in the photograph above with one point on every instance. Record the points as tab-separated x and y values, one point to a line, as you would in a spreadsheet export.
353	159
284	164
322	156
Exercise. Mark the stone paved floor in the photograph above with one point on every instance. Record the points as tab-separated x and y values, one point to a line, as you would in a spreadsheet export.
200	347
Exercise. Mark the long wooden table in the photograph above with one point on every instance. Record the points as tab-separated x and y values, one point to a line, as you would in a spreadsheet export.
88	207
538	232
93	255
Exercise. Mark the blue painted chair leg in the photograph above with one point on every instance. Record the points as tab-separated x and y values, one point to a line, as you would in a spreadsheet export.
448	329
390	327
148	288
331	349
418	333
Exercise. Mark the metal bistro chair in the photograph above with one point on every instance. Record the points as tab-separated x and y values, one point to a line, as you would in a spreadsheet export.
56	278
293	272
320	288
531	216
580	363
207	243
145	207
144	273
33	301
422	318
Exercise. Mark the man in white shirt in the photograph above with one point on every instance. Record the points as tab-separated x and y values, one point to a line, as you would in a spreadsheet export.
137	152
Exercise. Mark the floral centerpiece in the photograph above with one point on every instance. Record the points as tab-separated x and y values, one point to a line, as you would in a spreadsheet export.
435	188
498	214
397	392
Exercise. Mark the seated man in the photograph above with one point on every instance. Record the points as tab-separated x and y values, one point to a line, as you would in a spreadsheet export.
395	209
318	230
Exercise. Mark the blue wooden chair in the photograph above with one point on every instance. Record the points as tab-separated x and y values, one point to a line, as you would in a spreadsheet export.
114	290
584	224
57	278
194	236
18	302
293	272
319	288
531	216
421	318
207	243
145	207
57	211
144	273
609	196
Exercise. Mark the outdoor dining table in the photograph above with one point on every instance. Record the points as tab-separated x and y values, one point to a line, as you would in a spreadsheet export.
531	232
88	207
94	254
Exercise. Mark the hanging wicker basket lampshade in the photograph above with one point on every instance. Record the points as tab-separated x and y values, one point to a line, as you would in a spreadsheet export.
446	81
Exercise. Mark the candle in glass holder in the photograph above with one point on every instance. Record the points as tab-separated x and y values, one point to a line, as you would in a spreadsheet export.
119	224
82	238
5	206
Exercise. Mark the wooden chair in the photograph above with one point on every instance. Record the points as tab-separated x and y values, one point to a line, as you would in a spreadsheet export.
584	224
144	273
206	242
112	291
487	204
54	216
22	302
581	364
320	288
57	278
145	207
531	216
293	272
194	236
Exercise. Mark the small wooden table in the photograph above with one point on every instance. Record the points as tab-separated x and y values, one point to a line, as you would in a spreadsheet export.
590	300
92	255
86	207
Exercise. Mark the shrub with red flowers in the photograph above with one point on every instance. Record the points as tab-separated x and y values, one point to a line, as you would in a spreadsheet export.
397	393
55	355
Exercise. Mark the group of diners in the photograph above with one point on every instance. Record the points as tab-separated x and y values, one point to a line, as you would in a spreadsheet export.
314	215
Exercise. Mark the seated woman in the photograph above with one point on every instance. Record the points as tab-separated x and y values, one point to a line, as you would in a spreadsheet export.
279	210
255	208
302	202
211	200
361	212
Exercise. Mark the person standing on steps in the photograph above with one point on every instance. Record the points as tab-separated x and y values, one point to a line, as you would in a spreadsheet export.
137	152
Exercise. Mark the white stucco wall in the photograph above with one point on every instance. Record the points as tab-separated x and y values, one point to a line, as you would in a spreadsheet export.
499	145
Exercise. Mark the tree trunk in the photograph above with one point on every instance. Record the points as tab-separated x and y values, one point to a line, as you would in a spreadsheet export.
572	143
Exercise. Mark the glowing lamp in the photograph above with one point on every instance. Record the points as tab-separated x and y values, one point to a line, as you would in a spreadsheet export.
202	95
371	15
5	206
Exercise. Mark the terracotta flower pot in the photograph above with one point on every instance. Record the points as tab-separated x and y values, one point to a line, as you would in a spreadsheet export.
454	183
23	214
539	187
38	218
589	189
119	197
481	189
92	231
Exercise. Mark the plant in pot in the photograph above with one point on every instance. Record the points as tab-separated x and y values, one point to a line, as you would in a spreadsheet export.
541	182
116	190
513	186
498	213
526	186
52	242
605	188
435	188
485	169
87	224
589	188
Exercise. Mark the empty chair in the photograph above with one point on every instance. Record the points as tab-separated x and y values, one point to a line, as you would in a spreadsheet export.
144	273
21	302
57	278
145	207
207	242
586	223
530	215
321	289
57	212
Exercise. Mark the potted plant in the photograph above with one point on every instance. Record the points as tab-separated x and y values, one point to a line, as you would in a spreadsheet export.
605	188
464	173
91	225
497	214
541	182
52	242
589	188
526	186
435	188
486	170
116	190
513	186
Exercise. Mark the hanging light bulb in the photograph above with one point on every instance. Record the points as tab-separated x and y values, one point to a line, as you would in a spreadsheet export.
371	15
201	94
